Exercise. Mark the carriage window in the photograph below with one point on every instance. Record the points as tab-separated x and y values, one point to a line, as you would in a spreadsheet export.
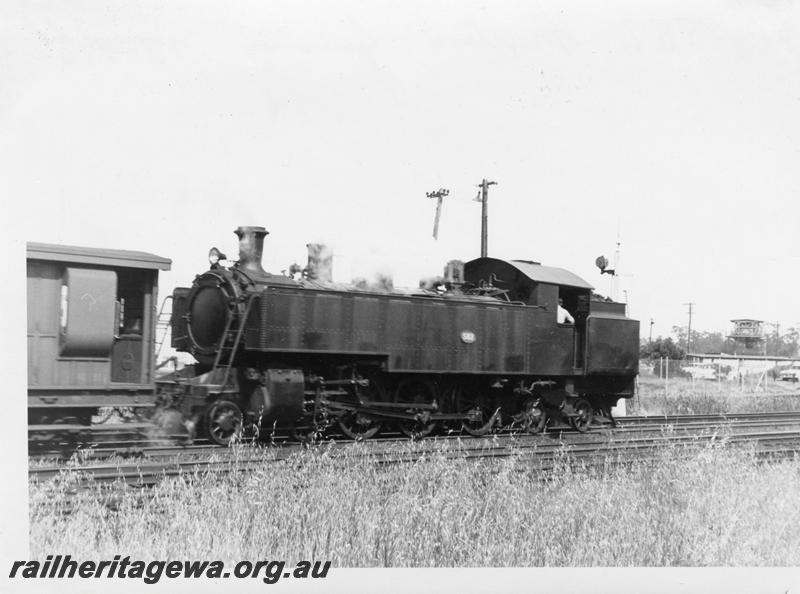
64	307
132	285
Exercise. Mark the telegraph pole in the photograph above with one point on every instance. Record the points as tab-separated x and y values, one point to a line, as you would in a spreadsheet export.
651	331
438	194
689	331
483	198
777	338
615	277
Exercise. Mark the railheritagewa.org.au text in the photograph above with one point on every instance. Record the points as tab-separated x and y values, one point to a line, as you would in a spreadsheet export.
151	572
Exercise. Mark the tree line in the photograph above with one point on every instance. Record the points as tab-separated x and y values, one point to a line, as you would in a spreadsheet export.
785	344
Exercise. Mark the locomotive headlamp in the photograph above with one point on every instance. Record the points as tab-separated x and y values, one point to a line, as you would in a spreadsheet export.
214	256
602	264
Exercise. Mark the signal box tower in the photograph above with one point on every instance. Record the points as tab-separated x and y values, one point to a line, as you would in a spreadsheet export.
750	333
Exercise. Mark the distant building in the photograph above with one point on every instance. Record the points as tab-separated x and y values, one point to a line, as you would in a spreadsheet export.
748	332
739	364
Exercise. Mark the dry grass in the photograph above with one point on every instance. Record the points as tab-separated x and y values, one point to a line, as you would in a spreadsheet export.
707	397
705	506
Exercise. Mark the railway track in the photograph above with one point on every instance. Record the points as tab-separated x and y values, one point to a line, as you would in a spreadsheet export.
129	440
707	418
637	437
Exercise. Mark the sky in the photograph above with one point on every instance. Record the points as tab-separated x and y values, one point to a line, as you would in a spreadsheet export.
671	127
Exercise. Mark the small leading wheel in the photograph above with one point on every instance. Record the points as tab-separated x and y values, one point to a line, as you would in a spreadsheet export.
224	422
358	426
481	422
583	415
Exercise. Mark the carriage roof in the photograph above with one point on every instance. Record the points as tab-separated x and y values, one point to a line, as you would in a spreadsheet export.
96	256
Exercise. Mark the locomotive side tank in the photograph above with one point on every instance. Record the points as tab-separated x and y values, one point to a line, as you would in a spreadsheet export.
274	350
461	333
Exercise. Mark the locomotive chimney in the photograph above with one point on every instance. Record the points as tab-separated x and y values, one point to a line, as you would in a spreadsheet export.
251	247
320	263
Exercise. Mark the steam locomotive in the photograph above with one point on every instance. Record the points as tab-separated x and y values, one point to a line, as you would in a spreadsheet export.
479	348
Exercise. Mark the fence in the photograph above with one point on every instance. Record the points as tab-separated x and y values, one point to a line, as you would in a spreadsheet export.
729	376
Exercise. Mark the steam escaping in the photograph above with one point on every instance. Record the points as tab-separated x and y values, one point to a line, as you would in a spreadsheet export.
382	284
320	263
384	281
453	277
433	283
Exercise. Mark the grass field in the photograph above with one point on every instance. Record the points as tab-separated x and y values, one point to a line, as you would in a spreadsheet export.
695	506
684	396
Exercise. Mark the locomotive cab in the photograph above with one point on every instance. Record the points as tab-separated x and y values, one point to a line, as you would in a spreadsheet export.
541	287
603	339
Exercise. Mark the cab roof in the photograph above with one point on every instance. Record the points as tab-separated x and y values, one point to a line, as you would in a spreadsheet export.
538	273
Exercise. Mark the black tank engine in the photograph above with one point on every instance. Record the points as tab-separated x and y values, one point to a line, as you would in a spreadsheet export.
478	349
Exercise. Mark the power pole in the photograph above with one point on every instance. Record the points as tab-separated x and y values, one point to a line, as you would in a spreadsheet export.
438	194
689	331
777	338
615	276
483	198
651	331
